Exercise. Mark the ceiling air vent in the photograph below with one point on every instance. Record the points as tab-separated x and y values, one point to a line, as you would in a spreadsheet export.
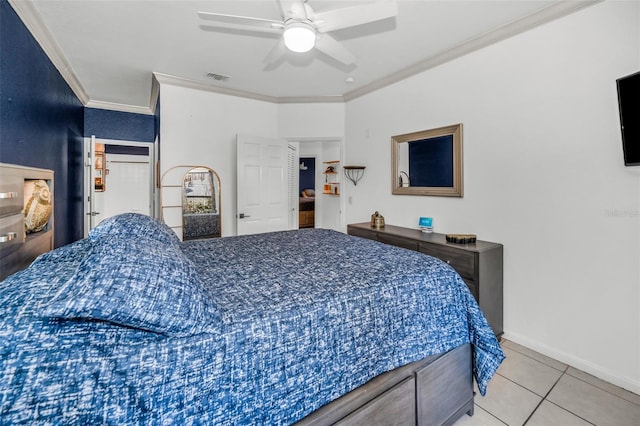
217	77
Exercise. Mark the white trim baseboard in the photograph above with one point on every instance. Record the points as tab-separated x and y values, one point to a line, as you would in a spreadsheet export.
574	361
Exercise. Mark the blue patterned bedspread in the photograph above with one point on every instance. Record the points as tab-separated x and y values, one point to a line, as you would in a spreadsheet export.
272	327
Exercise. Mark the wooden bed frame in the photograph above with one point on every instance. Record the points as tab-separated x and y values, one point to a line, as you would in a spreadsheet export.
436	390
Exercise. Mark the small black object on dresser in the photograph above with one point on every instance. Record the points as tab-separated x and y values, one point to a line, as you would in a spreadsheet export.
479	264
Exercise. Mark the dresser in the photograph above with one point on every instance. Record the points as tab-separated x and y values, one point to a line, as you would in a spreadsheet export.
306	219
17	247
479	264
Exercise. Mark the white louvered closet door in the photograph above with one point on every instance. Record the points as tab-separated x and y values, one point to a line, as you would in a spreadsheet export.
293	178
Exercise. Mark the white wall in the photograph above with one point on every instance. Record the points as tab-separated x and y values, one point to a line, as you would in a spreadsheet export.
320	130
200	127
543	174
312	120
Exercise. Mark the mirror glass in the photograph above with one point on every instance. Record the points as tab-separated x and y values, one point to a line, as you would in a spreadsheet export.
201	204
428	162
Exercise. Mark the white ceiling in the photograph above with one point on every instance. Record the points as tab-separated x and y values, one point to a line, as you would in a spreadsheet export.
110	49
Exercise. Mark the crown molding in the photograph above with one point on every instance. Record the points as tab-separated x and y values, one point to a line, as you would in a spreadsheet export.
311	99
543	16
197	85
161	78
119	107
31	19
155	94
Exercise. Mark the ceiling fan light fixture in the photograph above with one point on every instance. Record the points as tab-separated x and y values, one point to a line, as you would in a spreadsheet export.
299	37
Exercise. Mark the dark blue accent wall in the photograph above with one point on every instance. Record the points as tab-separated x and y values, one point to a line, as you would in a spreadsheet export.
308	177
124	126
126	149
41	121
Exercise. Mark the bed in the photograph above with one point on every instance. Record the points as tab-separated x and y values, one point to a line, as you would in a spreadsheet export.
132	326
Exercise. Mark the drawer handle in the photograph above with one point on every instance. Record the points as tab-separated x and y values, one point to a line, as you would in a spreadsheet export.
8	237
8	195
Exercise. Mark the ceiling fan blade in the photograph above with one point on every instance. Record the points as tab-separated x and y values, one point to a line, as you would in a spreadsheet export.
355	15
266	25
331	47
275	55
292	9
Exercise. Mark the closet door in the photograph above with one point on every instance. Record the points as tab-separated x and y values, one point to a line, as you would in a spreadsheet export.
262	191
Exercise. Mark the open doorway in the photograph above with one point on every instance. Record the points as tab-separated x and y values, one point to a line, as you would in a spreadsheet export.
307	190
119	179
328	208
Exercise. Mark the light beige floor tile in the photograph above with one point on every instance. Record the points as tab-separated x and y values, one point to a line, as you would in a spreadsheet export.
508	401
533	354
479	418
549	414
593	404
622	393
528	372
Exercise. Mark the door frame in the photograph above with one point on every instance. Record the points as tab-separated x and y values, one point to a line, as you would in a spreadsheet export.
319	159
88	173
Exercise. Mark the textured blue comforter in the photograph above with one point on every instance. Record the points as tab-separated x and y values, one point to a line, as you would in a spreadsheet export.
263	329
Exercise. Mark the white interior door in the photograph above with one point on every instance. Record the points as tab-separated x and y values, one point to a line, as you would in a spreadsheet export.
262	190
129	184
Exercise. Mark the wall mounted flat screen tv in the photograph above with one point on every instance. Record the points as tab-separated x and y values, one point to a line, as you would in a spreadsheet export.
629	106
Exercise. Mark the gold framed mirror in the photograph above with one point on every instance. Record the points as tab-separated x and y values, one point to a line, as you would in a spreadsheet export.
428	162
201	204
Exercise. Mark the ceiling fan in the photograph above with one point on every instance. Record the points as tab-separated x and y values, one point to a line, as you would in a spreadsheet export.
303	29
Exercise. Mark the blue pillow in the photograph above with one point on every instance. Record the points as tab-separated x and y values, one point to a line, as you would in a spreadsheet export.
137	284
134	226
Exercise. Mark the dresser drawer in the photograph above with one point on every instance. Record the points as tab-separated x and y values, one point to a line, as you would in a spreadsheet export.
11	233
464	262
471	285
397	406
363	233
398	241
11	194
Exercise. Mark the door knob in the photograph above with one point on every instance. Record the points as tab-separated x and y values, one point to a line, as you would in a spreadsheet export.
242	215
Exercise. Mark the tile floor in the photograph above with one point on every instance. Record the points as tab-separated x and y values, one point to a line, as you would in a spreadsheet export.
534	390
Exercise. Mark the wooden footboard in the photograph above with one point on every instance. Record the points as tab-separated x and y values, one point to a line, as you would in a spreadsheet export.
436	390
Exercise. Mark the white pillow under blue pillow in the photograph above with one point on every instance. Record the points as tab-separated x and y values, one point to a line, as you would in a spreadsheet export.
138	284
134	226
